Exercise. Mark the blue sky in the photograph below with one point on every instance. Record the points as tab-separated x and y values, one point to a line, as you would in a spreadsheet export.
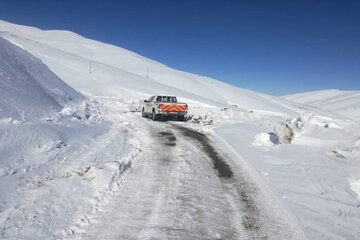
276	47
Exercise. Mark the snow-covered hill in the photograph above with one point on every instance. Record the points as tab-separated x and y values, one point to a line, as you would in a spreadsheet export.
115	71
296	167
28	89
345	103
39	115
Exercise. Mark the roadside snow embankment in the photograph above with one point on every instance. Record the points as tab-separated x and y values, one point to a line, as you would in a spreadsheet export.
32	109
28	89
311	162
355	186
51	168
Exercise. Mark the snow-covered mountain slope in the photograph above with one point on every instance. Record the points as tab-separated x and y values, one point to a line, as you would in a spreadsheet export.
39	115
117	72
345	103
28	89
295	168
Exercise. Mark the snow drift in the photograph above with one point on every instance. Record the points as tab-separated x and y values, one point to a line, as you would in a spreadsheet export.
38	111
28	89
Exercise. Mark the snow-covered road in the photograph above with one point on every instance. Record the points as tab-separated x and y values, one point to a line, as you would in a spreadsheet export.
170	193
183	187
143	180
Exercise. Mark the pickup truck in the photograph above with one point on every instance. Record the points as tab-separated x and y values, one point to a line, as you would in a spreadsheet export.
164	107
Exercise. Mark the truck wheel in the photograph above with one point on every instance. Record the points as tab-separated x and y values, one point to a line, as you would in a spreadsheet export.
181	118
143	113
153	116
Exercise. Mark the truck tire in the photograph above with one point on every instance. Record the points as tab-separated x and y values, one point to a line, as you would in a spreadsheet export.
143	114
153	116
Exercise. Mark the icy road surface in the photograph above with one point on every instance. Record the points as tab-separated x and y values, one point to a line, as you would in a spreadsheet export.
142	180
182	187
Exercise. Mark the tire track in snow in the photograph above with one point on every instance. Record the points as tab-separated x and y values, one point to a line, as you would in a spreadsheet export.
181	187
251	203
169	193
220	165
241	191
252	213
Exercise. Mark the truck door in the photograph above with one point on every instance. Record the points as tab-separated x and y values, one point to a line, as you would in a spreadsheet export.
149	104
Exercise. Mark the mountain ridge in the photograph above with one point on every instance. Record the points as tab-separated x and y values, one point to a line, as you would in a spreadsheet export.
343	102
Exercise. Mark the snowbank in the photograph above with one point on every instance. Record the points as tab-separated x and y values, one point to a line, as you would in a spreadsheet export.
28	89
266	139
355	186
42	122
310	161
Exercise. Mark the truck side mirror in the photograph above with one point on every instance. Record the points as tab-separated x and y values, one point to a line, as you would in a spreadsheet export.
145	101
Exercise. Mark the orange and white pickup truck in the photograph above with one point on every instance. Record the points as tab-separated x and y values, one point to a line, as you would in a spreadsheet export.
164	107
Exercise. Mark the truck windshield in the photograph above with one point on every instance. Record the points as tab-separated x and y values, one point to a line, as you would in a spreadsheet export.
166	99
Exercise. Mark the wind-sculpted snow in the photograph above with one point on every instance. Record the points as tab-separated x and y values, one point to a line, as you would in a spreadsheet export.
28	89
41	117
37	109
219	163
316	174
